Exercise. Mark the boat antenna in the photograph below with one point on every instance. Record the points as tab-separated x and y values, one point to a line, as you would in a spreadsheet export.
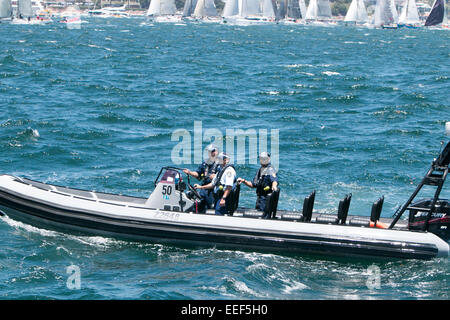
447	133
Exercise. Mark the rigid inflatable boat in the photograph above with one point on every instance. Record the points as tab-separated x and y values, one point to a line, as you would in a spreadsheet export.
169	215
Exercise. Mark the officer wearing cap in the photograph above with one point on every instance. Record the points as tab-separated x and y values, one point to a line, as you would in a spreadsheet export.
205	173
265	181
223	184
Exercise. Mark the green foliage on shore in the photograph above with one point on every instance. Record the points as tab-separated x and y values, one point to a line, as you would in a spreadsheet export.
340	7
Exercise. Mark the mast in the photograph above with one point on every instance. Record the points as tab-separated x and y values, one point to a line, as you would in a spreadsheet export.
404	13
409	13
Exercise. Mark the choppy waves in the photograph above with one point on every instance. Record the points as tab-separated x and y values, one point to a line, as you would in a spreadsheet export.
358	111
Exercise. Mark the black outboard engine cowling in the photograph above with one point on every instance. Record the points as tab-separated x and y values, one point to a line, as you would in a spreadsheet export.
439	222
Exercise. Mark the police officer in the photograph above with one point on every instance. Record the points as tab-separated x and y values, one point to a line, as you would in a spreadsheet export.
265	181
223	184
205	173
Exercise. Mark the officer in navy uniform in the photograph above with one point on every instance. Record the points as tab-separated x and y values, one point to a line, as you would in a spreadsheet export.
223	184
205	173
265	181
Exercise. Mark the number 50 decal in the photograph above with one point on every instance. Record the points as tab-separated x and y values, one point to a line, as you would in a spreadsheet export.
167	190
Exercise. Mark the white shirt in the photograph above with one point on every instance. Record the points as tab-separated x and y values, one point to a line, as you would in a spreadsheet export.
227	179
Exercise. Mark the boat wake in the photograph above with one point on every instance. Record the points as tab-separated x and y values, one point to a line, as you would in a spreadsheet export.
93	241
22	227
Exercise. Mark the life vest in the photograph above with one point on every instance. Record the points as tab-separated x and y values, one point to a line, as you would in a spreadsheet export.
208	170
262	184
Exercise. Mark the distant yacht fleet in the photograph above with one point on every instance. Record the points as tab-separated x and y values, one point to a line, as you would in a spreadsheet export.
245	12
318	12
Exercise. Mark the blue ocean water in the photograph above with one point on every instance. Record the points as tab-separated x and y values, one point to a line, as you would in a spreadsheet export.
357	110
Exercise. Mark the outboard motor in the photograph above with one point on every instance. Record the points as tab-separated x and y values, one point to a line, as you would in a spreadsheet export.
430	214
438	223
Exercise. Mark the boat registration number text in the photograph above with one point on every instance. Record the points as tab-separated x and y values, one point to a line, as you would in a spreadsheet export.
167	215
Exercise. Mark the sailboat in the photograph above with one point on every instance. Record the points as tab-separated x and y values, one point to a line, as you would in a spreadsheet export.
25	14
318	12
230	13
438	15
386	15
262	11
206	11
356	13
189	8
5	10
249	12
295	11
163	11
302	8
409	16
231	8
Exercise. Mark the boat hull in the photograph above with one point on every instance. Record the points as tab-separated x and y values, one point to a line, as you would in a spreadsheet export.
52	210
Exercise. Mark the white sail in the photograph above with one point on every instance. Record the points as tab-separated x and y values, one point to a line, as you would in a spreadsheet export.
393	9
248	8
356	12
267	9
409	14
385	13
161	7
311	13
205	8
302	8
445	19
352	13
24	8
324	11
231	8
5	9
189	7
362	12
377	16
296	9
154	7
318	10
